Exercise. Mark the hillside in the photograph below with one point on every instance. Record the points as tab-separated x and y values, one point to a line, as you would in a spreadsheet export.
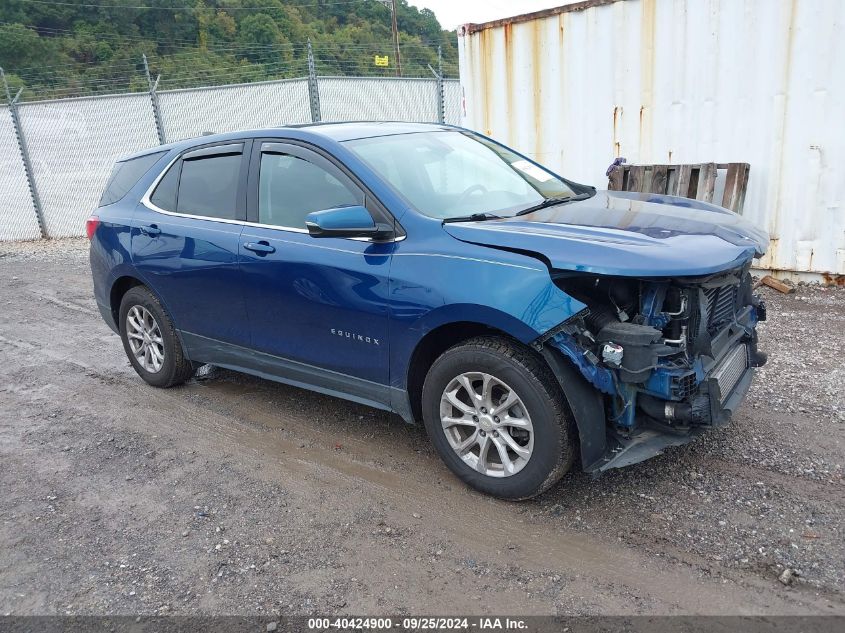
58	48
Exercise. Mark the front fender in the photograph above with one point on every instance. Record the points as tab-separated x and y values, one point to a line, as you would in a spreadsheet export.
510	292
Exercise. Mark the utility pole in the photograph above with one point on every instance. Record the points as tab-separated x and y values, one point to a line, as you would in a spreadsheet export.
396	40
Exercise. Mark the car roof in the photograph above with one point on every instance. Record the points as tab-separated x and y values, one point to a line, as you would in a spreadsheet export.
337	132
367	129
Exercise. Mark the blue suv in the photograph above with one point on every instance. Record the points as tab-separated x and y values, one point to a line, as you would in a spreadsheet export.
529	321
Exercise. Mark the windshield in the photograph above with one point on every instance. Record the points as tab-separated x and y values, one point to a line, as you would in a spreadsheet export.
456	174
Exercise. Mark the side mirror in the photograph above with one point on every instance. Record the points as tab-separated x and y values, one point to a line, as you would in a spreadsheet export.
353	221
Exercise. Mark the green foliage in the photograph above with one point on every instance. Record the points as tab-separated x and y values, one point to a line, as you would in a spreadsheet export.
60	50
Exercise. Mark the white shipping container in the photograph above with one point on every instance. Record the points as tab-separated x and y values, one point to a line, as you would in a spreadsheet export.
680	81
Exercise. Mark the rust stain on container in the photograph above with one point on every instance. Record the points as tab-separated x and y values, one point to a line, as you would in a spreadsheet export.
486	80
642	116
617	117
833	280
536	68
772	252
787	72
509	79
536	15
647	35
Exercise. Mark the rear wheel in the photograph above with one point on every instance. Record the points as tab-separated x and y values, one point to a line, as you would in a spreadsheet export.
495	414
150	340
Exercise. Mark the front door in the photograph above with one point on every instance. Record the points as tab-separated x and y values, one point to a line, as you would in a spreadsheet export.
320	303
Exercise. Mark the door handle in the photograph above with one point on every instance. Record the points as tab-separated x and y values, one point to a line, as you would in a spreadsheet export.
262	248
152	230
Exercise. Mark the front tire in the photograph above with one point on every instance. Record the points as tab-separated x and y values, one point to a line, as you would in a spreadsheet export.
150	340
497	418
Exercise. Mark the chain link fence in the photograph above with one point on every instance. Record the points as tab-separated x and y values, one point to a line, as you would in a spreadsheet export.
19	221
192	112
70	145
73	144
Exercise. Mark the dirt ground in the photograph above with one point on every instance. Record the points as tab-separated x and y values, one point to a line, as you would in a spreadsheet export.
235	495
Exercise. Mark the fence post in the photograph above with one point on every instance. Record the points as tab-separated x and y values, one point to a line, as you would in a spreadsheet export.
441	96
27	163
313	88
154	100
441	93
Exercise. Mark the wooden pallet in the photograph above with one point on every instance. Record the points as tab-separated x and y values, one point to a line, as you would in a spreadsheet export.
696	181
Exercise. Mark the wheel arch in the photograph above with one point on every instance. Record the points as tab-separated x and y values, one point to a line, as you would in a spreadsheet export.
118	289
584	402
431	346
124	284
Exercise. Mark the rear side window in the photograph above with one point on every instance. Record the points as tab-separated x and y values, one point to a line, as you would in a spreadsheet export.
203	182
125	175
209	186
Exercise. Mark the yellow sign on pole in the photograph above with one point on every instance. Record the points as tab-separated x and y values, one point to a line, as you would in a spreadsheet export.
382	61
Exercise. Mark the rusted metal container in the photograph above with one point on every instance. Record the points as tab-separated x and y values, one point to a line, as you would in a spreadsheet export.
681	81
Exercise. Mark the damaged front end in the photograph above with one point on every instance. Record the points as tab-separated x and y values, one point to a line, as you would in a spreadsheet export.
670	357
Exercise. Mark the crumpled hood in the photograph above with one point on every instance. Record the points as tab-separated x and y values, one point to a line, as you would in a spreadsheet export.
626	233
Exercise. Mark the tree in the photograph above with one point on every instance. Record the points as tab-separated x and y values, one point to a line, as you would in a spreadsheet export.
260	32
72	49
21	47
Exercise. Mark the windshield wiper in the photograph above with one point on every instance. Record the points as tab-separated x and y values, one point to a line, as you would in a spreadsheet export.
473	217
550	202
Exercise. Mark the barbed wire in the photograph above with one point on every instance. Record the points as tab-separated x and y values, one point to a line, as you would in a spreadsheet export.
191	67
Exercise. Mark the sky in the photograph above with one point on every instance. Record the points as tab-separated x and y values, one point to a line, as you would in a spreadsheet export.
453	13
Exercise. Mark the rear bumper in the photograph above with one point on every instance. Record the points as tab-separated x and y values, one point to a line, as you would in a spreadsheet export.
108	317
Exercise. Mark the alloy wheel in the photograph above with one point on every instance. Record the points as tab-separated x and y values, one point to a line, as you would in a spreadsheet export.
145	340
487	424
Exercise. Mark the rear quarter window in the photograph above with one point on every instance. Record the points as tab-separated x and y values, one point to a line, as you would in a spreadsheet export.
125	175
164	197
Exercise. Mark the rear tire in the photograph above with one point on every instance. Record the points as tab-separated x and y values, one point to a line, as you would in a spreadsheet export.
150	340
494	399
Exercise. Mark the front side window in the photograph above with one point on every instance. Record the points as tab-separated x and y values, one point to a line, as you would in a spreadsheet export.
289	188
455	174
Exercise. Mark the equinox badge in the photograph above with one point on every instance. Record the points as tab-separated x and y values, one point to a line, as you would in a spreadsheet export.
355	337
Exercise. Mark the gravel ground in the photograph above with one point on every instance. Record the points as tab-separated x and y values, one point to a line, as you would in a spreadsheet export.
241	496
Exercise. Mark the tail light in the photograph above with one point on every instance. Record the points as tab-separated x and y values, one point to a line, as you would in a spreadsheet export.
91	225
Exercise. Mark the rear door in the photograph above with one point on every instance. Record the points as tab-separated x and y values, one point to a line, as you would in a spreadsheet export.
185	240
321	302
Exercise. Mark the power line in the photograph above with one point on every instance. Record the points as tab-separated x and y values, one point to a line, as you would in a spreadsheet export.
187	52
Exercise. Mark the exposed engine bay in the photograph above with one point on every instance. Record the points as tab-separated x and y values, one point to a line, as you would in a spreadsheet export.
671	356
